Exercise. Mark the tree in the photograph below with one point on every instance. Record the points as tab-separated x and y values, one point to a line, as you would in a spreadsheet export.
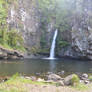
3	20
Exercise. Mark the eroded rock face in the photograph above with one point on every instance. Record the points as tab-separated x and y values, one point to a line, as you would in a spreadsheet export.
24	17
10	54
81	34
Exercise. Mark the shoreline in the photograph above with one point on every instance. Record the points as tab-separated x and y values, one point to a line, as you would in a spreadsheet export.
19	83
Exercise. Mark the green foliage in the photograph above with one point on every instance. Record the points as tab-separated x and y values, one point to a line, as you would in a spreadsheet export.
62	44
34	50
8	38
90	78
46	7
43	40
3	22
44	51
15	75
75	80
18	84
14	38
81	87
57	11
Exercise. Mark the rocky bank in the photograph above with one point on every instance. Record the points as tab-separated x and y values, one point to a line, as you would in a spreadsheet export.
10	54
81	32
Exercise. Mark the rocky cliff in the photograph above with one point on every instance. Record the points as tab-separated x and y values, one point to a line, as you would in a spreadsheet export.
81	34
25	16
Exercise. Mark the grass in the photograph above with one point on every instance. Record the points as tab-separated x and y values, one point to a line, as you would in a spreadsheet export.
19	48
6	46
75	80
90	78
18	84
81	87
21	84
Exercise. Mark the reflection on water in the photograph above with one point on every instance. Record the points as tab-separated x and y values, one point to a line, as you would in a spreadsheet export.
33	66
52	65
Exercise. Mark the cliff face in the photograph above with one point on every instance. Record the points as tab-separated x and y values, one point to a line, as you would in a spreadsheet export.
81	34
23	16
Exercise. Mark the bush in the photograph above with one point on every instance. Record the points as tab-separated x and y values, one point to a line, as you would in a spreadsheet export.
14	38
15	75
75	80
63	44
90	78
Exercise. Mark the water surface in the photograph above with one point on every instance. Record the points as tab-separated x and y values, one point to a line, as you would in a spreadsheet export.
34	66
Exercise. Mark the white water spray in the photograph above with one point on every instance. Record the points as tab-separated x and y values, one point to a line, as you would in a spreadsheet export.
52	51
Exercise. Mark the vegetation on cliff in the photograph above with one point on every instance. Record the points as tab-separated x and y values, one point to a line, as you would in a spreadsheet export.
9	38
58	13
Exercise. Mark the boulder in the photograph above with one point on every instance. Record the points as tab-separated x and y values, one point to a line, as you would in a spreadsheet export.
68	79
61	73
86	81
33	78
84	76
54	77
61	83
40	80
10	54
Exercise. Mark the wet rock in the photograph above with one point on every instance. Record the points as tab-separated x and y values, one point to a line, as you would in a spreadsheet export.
40	80
33	78
61	83
38	74
86	81
84	76
5	79
49	73
49	81
61	73
67	80
10	54
28	78
54	77
81	81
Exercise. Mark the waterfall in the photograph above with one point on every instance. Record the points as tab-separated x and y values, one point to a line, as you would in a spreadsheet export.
52	51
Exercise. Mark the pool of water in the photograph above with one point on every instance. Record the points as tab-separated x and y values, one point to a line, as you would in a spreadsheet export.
34	66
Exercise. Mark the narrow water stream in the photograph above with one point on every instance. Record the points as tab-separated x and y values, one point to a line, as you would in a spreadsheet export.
52	51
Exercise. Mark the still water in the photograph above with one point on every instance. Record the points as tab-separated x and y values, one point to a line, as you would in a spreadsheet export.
34	66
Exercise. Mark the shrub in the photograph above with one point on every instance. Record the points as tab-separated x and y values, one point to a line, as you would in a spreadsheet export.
15	75
75	80
90	78
63	44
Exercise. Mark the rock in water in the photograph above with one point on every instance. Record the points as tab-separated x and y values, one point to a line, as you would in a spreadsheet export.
54	77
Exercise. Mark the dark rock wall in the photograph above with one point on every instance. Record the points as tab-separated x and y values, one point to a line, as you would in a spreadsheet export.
24	16
81	34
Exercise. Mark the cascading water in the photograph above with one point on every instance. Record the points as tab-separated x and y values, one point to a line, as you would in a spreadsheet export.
52	51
